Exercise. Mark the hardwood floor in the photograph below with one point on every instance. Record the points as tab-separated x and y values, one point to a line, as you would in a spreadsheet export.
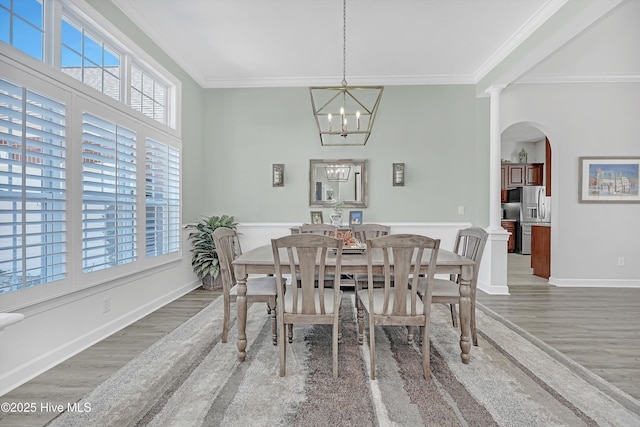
79	375
595	327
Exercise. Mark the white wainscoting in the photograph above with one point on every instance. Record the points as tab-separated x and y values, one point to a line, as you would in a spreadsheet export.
255	234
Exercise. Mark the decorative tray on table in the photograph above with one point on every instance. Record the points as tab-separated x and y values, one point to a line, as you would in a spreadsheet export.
355	249
351	245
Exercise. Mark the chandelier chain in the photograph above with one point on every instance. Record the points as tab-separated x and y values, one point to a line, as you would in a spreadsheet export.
344	42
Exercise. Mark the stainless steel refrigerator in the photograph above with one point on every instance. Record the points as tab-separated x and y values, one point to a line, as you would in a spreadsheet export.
535	208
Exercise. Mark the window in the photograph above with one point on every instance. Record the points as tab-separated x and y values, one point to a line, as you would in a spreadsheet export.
32	188
89	54
148	95
162	165
21	25
86	58
108	194
54	131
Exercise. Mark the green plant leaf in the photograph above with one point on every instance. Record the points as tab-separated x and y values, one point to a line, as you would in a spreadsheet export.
204	260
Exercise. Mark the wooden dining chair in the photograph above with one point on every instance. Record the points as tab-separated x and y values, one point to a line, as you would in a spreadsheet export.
259	289
405	256
362	233
469	243
311	302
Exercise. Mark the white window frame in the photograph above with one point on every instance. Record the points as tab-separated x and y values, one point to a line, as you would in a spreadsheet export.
22	69
41	186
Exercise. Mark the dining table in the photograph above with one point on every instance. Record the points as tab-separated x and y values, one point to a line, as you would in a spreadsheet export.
260	261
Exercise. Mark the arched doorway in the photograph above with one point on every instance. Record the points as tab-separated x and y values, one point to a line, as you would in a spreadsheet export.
526	162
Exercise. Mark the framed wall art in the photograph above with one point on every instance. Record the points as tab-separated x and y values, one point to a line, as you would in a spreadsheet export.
316	217
609	180
355	218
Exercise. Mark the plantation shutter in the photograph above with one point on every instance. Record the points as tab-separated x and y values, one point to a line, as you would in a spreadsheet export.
108	194
32	188
162	165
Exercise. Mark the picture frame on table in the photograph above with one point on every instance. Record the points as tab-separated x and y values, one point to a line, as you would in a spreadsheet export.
316	217
355	218
609	180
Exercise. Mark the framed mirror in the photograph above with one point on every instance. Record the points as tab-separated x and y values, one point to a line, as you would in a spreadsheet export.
340	179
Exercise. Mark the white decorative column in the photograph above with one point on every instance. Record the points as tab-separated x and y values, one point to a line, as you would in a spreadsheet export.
492	277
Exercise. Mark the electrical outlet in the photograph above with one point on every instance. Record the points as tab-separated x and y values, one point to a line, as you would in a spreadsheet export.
620	261
460	210
106	305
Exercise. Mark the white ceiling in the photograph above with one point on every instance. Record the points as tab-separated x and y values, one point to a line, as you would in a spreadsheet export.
266	43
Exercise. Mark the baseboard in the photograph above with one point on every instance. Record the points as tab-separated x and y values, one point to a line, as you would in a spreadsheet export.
24	373
595	283
492	289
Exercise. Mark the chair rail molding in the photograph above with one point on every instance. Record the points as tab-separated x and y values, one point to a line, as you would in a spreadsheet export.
253	234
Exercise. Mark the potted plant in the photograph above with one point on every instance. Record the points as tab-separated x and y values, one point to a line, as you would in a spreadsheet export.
204	260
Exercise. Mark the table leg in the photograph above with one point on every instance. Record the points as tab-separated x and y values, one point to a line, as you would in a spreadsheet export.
241	303
465	312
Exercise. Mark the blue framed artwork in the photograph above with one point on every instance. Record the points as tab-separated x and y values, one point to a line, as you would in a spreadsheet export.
355	218
609	180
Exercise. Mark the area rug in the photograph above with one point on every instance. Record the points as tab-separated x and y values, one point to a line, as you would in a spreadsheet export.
190	378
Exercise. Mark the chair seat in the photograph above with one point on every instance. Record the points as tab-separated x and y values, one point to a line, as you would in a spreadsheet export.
378	298
258	286
442	289
328	301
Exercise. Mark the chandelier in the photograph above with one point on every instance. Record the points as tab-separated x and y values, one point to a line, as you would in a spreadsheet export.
345	114
338	173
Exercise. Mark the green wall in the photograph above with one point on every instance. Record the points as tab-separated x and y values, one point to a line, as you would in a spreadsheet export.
439	132
232	136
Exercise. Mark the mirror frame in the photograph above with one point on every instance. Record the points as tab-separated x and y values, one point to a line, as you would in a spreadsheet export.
346	203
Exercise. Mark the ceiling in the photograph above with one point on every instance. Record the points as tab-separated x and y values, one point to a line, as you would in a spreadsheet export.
277	43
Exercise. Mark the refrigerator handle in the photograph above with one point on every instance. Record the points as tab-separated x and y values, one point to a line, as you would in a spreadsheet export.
541	204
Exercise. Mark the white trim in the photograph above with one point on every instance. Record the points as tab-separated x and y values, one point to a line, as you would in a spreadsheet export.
577	78
257	234
8	319
541	16
332	81
36	366
86	14
595	283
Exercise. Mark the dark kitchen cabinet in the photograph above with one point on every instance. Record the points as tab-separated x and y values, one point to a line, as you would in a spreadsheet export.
533	174
519	174
541	250
510	226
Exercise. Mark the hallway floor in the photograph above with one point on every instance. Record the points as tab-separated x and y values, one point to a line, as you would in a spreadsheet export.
596	327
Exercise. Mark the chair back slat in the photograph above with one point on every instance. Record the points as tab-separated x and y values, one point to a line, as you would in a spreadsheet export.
470	243
364	232
307	257
404	257
228	248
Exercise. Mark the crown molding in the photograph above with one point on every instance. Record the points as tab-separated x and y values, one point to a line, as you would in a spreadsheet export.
541	16
335	81
577	78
